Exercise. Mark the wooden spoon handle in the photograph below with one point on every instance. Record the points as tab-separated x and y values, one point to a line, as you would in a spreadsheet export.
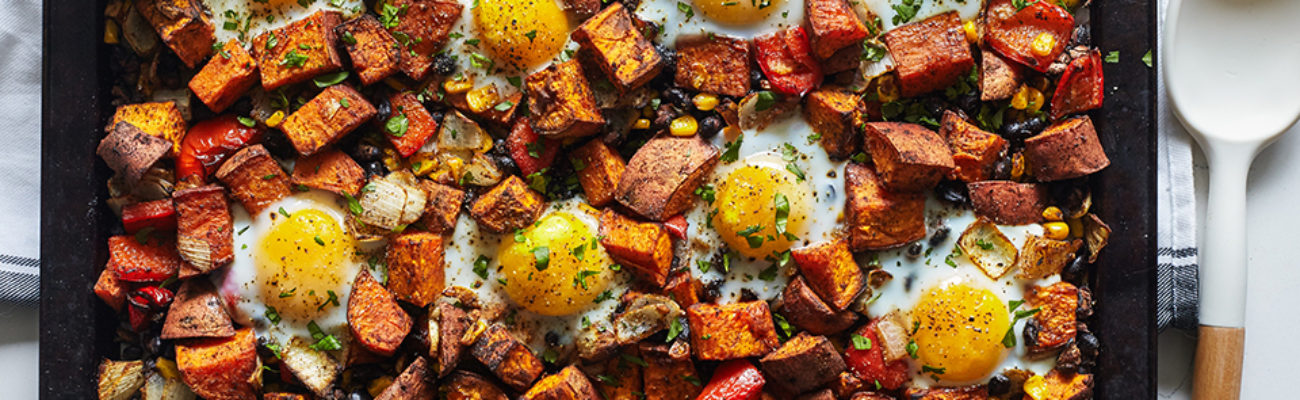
1218	363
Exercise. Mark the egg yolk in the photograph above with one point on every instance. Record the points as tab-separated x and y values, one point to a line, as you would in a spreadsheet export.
960	332
555	267
301	261
761	209
521	33
737	11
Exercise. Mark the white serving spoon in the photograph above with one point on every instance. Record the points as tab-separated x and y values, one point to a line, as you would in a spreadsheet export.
1232	69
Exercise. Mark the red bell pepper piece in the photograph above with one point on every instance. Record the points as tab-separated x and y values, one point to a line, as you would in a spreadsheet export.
158	214
530	152
139	318
734	380
1081	87
151	298
208	143
869	364
786	60
420	125
1012	32
676	226
154	260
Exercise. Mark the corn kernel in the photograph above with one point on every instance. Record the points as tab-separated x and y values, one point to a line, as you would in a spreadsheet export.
1036	100
392	160
275	119
472	333
1056	230
972	32
377	386
641	124
423	164
1052	213
1021	100
705	101
887	88
683	126
482	99
1043	44
458	86
455	165
1076	227
111	32
1017	166
1036	388
167	368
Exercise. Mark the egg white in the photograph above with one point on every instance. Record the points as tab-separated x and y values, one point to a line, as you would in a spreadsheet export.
266	16
674	25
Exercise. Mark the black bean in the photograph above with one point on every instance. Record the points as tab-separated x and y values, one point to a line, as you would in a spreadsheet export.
359	394
939	236
666	75
552	338
1082	35
999	384
1002	169
953	192
1088	344
712	291
1075	270
755	78
677	97
970	103
375	168
710	126
366	152
748	295
153	345
1031	333
1018	131
443	65
914	250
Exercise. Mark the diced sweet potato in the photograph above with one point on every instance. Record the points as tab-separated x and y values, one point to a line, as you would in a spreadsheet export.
1065	150
443	207
222	368
599	169
507	357
465	385
226	77
509	205
568	384
714	64
374	318
1056	316
643	247
314	369
831	271
1061	385
486	110
835	115
415	383
999	77
420	124
203	227
930	55
451	323
196	312
803	363
974	151
182	25
425	24
110	289
731	331
1041	257
158	119
254	179
1007	202
628	59
684	288
560	102
299	51
415	267
669	371
333	113
661	178
153	260
804	309
973	392
908	157
130	151
330	170
374	52
620	377
283	396
878	217
120	380
833	25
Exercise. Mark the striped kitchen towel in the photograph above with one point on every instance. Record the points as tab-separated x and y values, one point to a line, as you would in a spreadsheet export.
1176	267
20	157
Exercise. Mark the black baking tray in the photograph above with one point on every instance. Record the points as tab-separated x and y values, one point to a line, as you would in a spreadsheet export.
77	329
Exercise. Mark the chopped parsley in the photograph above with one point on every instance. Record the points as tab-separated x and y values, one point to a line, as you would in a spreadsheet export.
674	330
348	38
293	59
246	121
911	348
861	342
397	125
328	80
765	99
1009	339
1112	57
323	342
481	266
706	192
907	10
272	315
581	278
784	325
686	9
1147	59
732	153
542	257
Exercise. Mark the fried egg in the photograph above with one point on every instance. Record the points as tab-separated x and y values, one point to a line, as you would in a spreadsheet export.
679	19
244	20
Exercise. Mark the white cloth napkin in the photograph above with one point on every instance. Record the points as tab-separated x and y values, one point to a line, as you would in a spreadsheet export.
1176	252
20	158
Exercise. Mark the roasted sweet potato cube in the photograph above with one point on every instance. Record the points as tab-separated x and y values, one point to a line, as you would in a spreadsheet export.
299	51
835	115
804	309
880	218
110	289
669	371
415	267
833	25
182	25
568	384
374	52
443	207
731	331
714	64
973	392
803	363
1007	202
507	357
929	55
447	324
1062	385
619	378
1056	304
599	170
130	151
486	110
425	25
908	157
560	102
158	119
831	271
197	312
221	368
684	288
153	260
374	318
226	77
509	205
1065	150
642	246
626	57
661	178
203	227
330	170
415	383
1042	257
999	77
465	385
283	396
254	179
974	151
333	113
